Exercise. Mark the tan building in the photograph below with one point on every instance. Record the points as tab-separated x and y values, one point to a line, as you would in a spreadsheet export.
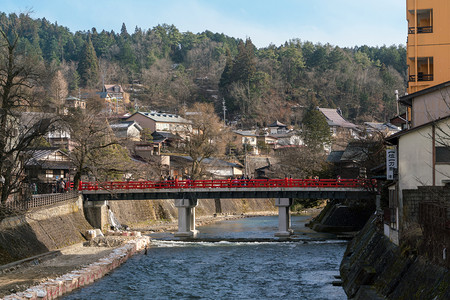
428	45
249	138
162	122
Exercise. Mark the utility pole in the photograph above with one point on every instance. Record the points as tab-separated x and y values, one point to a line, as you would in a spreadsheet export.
224	111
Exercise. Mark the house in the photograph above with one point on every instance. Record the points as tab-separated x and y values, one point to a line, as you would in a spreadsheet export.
162	122
420	155
145	150
44	167
59	136
247	139
220	169
386	129
338	125
167	140
74	102
212	167
112	91
129	130
115	98
277	128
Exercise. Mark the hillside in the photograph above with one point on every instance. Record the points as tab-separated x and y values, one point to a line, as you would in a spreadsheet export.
174	68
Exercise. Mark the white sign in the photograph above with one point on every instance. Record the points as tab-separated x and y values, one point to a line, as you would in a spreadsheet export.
391	163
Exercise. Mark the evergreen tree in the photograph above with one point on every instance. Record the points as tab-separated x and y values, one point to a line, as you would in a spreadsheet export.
244	65
316	132
88	66
225	79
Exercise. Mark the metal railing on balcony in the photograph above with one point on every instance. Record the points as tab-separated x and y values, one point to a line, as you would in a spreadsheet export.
422	29
421	77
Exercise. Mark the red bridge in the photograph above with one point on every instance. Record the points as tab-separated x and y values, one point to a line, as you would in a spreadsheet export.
230	183
187	192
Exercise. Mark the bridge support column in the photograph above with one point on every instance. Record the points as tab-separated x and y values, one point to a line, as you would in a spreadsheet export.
186	218
284	217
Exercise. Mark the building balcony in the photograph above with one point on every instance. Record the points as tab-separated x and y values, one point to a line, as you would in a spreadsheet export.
421	77
422	29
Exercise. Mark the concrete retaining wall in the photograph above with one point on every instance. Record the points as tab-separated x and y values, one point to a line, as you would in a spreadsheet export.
135	212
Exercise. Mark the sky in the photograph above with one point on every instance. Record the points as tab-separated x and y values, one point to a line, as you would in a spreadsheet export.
344	23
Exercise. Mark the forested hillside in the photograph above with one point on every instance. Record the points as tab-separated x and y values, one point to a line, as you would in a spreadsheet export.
165	69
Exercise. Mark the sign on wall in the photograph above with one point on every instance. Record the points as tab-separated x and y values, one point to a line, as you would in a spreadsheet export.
391	163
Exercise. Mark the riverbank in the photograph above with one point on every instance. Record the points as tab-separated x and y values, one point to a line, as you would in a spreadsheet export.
375	268
44	272
19	276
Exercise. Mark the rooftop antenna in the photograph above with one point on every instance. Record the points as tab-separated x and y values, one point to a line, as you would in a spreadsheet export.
397	99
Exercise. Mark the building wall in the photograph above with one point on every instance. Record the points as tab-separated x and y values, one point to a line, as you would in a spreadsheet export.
435	44
415	159
431	106
143	121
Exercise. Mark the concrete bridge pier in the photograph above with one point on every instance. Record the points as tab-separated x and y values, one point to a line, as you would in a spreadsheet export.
284	217
186	218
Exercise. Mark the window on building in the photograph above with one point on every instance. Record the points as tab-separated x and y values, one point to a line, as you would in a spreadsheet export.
425	69
49	173
424	22
442	154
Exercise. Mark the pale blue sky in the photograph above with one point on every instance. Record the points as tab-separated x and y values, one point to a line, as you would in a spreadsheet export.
345	23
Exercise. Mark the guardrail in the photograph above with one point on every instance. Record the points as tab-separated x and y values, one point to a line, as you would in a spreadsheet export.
231	183
41	200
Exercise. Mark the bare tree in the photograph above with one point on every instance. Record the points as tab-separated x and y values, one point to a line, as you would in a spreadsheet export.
58	90
19	76
300	162
207	138
96	151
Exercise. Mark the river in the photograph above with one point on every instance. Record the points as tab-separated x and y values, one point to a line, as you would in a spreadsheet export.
259	267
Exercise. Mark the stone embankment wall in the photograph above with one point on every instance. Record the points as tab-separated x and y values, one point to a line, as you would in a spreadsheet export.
42	229
147	212
375	268
55	288
55	226
342	216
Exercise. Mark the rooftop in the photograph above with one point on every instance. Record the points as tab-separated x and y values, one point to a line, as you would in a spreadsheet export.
164	117
334	118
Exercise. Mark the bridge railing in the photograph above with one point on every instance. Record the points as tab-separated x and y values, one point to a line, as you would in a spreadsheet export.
227	183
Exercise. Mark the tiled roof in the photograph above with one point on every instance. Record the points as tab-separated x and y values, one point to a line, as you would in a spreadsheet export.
277	124
245	132
110	88
334	118
165	117
125	125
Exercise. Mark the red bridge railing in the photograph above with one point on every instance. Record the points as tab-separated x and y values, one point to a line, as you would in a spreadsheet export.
233	183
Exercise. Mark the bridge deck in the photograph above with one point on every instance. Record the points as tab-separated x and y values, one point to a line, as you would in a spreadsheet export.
229	193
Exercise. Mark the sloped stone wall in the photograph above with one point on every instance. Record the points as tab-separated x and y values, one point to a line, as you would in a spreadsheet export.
372	263
42	229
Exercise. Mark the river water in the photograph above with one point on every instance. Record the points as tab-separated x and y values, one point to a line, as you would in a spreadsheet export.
259	267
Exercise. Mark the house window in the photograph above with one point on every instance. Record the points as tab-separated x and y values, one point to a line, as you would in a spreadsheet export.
425	66
48	173
442	154
424	22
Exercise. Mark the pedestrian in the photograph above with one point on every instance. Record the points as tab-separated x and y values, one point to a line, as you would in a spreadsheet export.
145	252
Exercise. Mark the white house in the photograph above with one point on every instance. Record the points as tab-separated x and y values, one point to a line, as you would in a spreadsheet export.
130	130
423	153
